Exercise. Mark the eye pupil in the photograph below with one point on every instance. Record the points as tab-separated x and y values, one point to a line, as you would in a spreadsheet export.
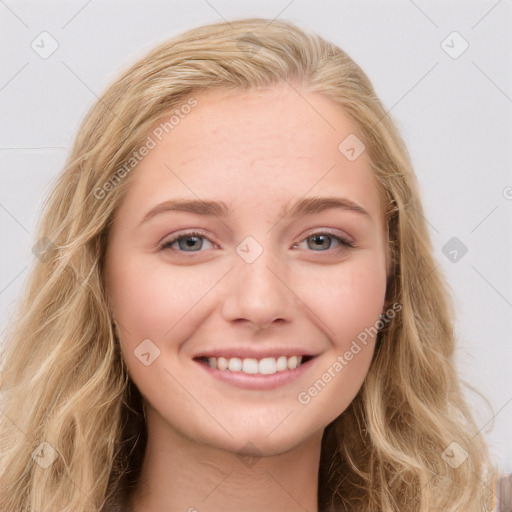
188	243
318	239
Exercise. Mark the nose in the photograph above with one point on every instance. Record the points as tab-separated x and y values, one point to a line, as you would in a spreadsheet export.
259	292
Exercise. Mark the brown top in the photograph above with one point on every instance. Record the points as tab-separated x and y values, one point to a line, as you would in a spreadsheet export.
504	493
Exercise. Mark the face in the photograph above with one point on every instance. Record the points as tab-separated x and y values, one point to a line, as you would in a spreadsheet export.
251	277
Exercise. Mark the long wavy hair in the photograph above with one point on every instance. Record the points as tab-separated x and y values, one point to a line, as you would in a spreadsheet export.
66	393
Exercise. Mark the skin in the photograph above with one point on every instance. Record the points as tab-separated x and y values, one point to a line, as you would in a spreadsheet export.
257	152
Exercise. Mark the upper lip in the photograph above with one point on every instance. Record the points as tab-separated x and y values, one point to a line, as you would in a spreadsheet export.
252	353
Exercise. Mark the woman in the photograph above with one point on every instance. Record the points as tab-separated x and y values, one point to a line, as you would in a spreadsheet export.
185	341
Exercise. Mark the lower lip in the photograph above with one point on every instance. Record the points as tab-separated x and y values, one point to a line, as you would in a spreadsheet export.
256	380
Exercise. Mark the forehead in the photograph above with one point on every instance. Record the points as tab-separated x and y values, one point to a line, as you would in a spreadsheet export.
260	148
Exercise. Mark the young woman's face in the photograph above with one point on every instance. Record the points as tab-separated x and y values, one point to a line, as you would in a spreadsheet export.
260	278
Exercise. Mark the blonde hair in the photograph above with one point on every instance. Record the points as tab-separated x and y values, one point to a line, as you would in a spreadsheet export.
65	383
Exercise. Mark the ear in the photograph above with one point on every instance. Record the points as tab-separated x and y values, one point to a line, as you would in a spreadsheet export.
389	297
115	327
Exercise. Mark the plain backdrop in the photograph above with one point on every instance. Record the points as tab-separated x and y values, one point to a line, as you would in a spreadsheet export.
442	69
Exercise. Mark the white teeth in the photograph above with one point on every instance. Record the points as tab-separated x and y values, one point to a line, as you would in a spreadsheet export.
282	363
266	366
250	366
292	362
235	364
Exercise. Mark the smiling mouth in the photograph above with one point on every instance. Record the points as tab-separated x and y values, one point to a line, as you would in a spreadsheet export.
252	366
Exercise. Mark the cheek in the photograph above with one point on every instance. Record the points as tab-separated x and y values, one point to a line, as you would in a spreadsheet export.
349	303
362	298
348	299
150	299
156	303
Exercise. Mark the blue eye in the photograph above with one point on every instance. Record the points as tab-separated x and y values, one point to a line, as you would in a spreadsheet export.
321	238
191	241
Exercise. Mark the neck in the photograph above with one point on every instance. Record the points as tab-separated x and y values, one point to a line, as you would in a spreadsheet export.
183	475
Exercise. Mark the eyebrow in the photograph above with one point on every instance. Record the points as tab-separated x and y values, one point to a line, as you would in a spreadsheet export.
301	207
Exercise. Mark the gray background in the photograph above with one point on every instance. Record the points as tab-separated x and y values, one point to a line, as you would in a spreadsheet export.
454	110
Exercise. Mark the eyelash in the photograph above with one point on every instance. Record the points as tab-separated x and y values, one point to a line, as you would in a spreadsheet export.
167	244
